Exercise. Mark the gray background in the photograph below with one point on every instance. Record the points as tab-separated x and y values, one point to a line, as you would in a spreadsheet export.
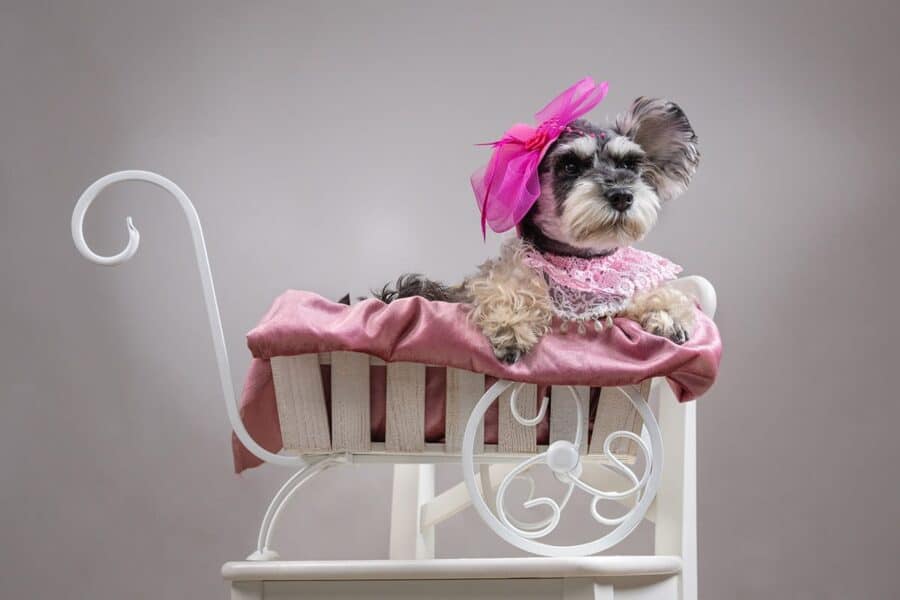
328	148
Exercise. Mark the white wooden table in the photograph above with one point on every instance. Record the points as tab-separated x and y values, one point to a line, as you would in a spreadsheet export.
590	578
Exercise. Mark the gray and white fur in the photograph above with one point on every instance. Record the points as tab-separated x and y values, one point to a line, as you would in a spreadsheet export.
601	188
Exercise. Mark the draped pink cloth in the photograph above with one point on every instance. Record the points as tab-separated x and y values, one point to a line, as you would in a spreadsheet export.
439	333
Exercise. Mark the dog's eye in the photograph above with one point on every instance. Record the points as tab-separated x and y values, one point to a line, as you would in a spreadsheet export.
571	167
628	163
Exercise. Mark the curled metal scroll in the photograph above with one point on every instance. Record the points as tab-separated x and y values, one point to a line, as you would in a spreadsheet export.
562	457
209	292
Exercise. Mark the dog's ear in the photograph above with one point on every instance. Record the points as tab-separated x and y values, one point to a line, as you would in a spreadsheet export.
661	128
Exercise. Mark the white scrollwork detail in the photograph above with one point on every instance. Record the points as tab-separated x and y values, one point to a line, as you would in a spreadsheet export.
563	459
264	549
530	530
543	523
514	408
209	292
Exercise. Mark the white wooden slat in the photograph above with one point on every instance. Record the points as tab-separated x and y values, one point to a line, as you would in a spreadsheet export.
413	487
325	359
464	389
644	389
634	423
285	403
301	402
585	588
350	418
564	414
637	423
405	414
512	436
676	500
614	413
436	453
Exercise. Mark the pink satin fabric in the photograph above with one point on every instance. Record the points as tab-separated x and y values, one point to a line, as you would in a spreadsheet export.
439	333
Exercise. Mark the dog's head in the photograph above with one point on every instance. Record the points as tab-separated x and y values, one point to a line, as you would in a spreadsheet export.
603	187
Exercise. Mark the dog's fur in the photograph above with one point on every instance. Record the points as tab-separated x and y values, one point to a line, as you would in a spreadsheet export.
587	177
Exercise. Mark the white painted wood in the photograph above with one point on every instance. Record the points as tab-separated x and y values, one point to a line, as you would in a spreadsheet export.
700	289
464	388
585	588
301	402
635	424
676	501
656	588
405	413
413	487
325	359
437	454
512	436
644	389
639	428
564	414
285	402
485	589
454	568
350	414
614	412
456	499
665	588
246	590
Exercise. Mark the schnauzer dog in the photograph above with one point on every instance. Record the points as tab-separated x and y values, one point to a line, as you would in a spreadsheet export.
601	190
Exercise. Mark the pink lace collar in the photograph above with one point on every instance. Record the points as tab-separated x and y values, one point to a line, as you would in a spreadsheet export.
590	289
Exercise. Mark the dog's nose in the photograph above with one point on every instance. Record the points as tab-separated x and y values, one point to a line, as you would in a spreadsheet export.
620	199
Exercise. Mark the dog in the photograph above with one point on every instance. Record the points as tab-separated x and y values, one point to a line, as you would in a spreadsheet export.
601	189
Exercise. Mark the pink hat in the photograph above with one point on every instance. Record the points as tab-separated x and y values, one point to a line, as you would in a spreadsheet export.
508	186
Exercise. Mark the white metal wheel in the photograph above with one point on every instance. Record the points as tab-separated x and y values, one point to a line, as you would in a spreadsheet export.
563	459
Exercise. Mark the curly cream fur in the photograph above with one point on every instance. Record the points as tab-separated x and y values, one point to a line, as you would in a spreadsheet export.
511	303
663	311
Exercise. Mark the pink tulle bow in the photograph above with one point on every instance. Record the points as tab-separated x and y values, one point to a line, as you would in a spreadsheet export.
508	186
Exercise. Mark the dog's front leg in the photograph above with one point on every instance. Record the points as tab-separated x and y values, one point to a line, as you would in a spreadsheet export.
664	311
511	305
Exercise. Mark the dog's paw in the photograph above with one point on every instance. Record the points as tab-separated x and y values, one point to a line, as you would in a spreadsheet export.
662	323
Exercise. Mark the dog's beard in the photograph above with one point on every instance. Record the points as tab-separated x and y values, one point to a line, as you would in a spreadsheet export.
589	221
